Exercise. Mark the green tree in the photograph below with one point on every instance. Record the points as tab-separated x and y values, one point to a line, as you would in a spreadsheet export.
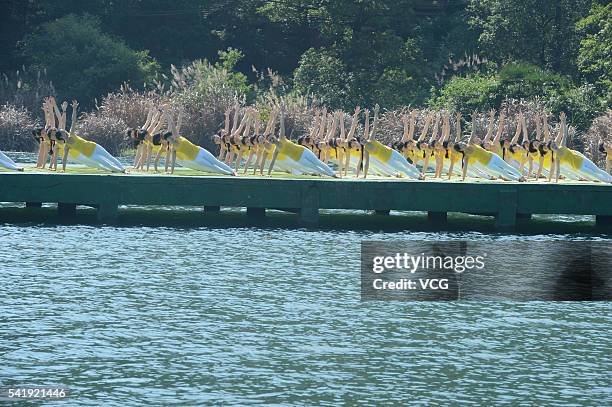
374	54
467	94
595	53
323	74
542	32
83	61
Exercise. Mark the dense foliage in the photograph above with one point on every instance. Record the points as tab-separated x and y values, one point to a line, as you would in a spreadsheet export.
457	54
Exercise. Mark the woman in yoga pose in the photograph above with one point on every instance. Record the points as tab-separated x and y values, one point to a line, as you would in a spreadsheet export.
188	154
266	146
406	144
487	162
533	150
55	136
298	159
137	136
219	139
516	154
80	150
352	145
148	147
46	144
306	140
422	150
545	160
572	163
426	148
384	158
334	148
437	151
494	145
484	162
451	156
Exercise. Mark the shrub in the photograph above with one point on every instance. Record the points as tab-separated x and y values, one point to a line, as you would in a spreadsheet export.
26	87
16	125
116	112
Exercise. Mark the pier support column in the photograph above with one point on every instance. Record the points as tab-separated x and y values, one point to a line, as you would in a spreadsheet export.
506	215
66	210
382	212
212	209
523	216
108	212
603	220
256	213
309	212
33	204
437	218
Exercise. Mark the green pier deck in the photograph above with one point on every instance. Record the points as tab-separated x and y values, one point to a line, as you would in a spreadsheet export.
507	201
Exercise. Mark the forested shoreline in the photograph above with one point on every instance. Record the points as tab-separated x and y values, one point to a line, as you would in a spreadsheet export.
465	55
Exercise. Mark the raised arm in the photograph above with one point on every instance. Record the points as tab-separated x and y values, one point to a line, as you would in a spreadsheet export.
473	132
315	126
518	131
147	122
354	123
538	134
366	125
282	123
157	117
334	125
73	122
490	126
434	132
561	139
58	114
160	124
406	124
243	124
457	127
425	129
236	111
375	123
413	116
321	133
53	113
500	127
547	134
49	117
525	131
179	122
446	128
271	122
342	129
171	155
226	129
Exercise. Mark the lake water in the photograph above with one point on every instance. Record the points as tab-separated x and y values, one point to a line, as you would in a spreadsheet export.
168	308
160	315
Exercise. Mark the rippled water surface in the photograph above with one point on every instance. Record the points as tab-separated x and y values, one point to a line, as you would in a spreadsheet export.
159	315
